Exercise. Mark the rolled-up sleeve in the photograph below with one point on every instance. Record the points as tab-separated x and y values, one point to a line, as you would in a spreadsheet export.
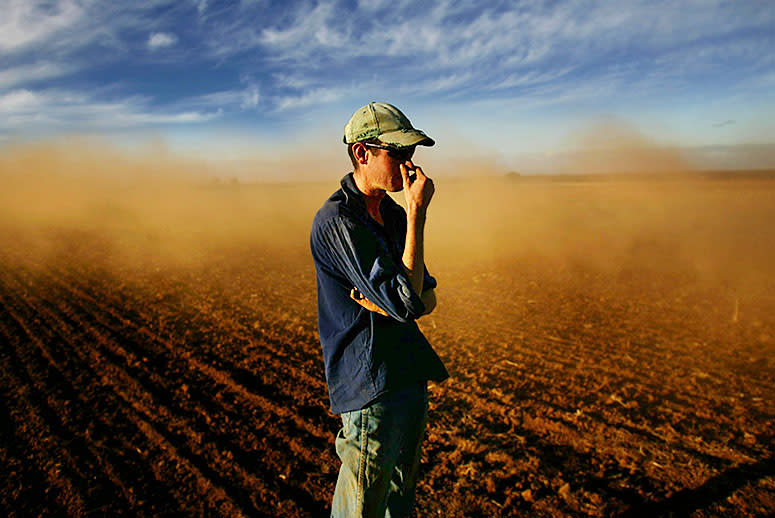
356	253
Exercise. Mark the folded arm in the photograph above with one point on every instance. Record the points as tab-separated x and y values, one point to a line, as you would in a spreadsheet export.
356	254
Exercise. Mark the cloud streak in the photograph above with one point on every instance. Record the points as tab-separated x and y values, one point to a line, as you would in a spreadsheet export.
31	73
503	47
51	109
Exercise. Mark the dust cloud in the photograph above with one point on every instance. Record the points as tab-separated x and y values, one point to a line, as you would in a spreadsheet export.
612	146
143	206
151	207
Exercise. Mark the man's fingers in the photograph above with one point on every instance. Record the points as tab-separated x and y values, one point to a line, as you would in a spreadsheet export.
404	173
418	171
366	303
358	297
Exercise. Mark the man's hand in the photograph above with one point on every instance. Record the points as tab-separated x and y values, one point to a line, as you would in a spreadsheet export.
418	189
358	297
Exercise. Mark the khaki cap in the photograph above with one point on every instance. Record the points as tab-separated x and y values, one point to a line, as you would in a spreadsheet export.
385	122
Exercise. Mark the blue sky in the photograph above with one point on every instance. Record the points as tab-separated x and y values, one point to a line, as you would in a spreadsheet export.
513	80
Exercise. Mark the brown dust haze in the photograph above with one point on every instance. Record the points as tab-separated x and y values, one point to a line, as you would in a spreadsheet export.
153	206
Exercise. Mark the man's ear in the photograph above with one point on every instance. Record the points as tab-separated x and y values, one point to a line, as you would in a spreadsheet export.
361	153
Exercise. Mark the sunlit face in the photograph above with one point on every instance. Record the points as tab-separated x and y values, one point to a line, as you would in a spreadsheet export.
383	169
387	172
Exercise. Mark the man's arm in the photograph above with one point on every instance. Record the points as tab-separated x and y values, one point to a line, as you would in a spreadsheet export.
354	252
418	193
428	296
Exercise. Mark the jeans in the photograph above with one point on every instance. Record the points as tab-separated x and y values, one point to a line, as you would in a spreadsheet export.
380	448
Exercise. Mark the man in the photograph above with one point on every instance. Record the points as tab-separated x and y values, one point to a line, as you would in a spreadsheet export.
372	286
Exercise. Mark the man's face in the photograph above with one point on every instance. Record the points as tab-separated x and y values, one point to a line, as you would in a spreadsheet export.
383	169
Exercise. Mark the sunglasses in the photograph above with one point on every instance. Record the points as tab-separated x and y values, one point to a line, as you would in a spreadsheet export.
402	154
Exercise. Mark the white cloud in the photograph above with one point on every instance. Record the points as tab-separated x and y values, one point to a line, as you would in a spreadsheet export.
214	99
161	39
437	84
25	22
373	5
312	26
311	97
63	29
224	100
529	77
143	118
18	101
296	82
62	110
250	97
24	74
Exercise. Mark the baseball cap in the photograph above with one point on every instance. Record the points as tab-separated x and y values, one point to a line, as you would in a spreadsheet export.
385	122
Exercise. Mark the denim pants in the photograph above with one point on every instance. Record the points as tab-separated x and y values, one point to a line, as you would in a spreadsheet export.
380	448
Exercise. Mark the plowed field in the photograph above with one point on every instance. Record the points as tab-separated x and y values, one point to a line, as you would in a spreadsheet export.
611	345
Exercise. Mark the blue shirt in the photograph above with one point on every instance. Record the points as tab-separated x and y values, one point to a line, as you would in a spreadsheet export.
365	353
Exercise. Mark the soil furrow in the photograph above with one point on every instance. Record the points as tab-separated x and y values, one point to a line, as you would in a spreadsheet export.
100	380
248	383
540	373
43	411
104	436
285	382
177	430
166	357
22	486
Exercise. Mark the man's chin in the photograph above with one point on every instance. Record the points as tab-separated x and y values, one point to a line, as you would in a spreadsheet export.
397	186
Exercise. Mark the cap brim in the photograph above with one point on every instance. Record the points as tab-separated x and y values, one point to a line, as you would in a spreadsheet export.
407	138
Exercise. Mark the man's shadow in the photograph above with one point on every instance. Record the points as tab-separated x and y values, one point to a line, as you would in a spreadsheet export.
715	489
581	470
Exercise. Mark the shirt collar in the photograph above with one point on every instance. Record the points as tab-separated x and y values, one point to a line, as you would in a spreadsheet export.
354	197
